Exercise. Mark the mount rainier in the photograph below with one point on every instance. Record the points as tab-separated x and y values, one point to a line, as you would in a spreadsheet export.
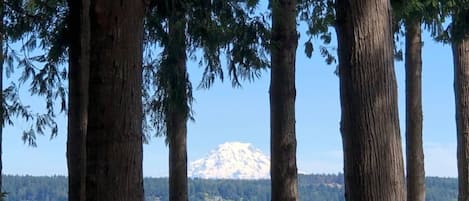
232	160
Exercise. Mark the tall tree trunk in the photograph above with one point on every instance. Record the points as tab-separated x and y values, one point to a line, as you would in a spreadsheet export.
283	169
373	164
114	136
78	99
178	114
461	89
414	146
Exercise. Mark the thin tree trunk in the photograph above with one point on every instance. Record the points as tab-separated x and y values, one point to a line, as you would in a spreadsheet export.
78	99
284	175
414	145
177	116
178	188
114	136
461	89
373	164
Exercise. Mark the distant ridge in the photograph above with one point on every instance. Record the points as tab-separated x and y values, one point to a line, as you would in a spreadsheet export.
232	160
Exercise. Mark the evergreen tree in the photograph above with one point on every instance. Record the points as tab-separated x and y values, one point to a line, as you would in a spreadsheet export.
114	133
24	21
412	14
373	166
183	26
414	117
284	173
459	38
173	78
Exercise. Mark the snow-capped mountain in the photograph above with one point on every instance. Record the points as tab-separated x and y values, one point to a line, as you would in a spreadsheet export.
232	160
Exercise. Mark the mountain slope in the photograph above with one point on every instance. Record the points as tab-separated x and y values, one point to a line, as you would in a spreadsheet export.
232	160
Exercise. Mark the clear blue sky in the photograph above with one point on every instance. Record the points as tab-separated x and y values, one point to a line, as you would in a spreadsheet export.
225	114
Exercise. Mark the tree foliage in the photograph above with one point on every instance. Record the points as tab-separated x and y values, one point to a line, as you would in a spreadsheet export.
214	29
427	12
29	26
458	29
320	18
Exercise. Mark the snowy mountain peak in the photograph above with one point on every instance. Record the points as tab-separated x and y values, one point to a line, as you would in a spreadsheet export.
232	160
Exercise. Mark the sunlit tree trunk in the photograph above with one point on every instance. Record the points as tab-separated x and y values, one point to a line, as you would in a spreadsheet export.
283	169
414	120
373	164
114	136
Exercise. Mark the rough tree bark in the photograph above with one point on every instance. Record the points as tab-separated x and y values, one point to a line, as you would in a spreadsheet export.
373	164
78	98
461	89
114	136
283	169
414	120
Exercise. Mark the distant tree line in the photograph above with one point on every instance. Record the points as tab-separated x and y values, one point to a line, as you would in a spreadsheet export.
311	187
108	44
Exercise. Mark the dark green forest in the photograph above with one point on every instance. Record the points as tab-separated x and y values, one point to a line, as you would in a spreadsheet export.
311	187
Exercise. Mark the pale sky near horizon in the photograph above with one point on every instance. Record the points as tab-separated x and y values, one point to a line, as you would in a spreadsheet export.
224	114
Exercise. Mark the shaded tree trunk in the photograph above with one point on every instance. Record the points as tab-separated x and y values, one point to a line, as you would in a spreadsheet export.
177	114
283	169
177	130
373	164
78	98
114	136
461	89
414	145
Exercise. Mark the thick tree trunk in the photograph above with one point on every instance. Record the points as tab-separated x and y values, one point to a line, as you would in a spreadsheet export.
461	89
177	115
414	146
114	136
78	98
283	169
373	164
